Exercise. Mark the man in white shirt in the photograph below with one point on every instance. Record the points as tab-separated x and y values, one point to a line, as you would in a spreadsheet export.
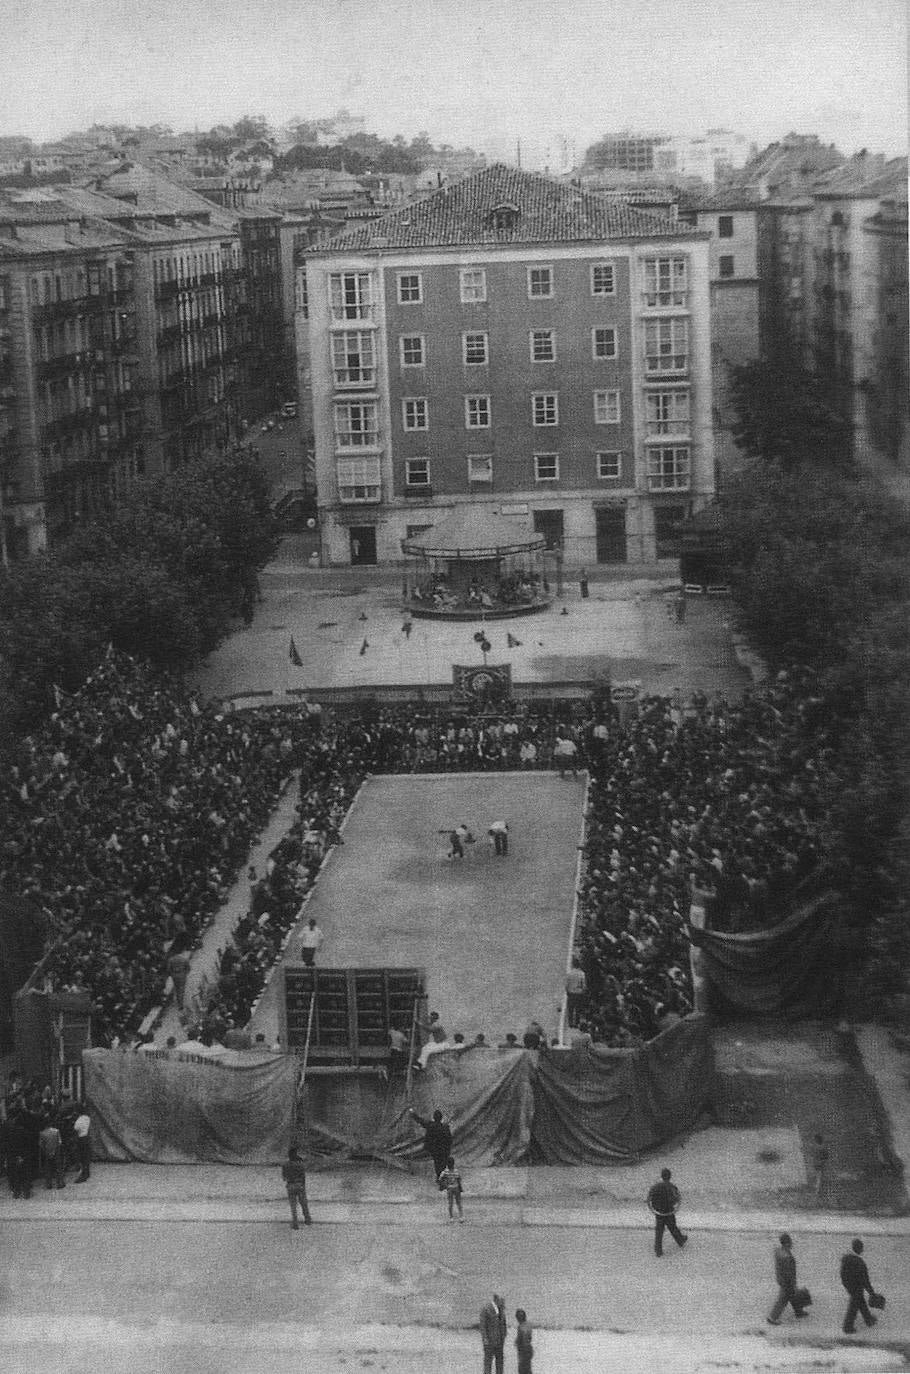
81	1129
310	941
564	752
499	834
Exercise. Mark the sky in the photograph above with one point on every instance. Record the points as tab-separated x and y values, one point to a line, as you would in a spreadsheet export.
482	72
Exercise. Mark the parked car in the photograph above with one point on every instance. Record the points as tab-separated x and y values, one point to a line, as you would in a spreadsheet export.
289	409
294	510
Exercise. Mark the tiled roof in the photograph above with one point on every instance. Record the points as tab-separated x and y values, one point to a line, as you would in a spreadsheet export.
459	216
864	178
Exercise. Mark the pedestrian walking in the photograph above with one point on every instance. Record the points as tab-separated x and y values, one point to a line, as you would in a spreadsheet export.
499	834
785	1274
523	1337
663	1200
493	1328
293	1171
819	1157
583	584
449	1182
310	941
680	606
437	1140
82	1128
854	1275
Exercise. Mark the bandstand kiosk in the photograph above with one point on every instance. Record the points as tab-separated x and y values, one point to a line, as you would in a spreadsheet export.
477	565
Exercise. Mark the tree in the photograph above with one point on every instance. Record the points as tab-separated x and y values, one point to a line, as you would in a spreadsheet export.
251	127
785	415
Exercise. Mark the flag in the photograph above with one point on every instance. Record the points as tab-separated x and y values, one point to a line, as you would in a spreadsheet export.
293	654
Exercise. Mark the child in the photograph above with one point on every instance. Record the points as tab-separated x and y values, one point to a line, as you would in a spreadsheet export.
450	1180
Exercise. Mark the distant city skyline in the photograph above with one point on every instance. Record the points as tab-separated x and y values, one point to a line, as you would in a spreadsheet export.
472	72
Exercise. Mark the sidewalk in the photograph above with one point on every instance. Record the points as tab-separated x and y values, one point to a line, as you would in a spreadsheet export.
603	1198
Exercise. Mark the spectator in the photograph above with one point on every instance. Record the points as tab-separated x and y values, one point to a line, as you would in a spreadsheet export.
311	941
293	1171
82	1130
449	1181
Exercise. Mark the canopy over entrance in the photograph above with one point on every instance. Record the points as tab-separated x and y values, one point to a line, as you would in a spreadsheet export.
476	563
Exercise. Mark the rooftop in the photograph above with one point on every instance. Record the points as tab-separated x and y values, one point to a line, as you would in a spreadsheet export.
542	211
865	177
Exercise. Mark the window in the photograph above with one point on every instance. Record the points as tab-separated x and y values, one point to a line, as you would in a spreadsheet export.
477	412
412	350
667	412
353	358
301	300
725	264
725	226
480	467
358	479
543	345
546	467
545	408
606	407
410	288
414	413
666	281
609	465
603	279
603	344
666	345
351	296
474	349
540	282
417	472
473	284
668	468
356	424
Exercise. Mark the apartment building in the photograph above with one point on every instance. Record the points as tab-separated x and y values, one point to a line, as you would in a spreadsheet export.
882	351
731	217
70	419
139	325
515	344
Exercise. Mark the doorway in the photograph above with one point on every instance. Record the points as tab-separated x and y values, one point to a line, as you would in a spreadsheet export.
549	523
363	544
610	530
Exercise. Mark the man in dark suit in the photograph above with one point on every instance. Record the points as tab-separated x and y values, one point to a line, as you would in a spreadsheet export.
855	1277
493	1333
663	1200
785	1274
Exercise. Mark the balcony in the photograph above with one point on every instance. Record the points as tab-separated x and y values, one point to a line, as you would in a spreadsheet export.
167	290
63	363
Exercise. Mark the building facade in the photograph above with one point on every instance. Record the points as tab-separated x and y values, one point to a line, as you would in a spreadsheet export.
139	325
731	218
514	343
70	416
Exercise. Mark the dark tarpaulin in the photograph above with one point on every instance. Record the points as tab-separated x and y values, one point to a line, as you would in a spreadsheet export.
169	1108
793	969
485	1095
597	1105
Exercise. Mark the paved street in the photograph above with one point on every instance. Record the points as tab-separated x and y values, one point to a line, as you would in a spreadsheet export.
115	1296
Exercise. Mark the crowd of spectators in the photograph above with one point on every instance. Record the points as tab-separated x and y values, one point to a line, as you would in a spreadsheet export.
132	813
127	819
719	805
